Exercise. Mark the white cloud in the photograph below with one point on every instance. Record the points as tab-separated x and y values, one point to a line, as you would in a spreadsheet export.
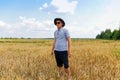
45	5
27	27
32	22
79	30
65	6
6	29
59	6
3	24
31	27
110	17
40	29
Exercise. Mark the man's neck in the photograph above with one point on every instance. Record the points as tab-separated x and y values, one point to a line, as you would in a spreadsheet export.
59	28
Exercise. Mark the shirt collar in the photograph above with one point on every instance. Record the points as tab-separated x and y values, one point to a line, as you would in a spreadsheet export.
60	29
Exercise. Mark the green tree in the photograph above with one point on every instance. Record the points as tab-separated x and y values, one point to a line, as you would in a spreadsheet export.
107	34
102	35
115	34
118	35
98	36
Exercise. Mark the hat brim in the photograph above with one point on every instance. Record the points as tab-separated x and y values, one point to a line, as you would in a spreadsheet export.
56	19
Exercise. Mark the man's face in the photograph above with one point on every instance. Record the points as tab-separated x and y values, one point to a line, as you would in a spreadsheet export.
59	24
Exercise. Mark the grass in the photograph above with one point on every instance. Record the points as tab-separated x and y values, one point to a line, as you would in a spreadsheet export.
25	59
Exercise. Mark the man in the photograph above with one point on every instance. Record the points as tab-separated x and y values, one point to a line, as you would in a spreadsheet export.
62	46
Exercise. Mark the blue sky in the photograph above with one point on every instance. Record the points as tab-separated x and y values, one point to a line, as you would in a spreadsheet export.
34	18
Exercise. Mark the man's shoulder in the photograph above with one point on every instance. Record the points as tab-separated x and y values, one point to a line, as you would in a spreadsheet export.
55	31
65	29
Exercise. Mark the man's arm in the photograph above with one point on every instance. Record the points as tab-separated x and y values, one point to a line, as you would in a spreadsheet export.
69	46
53	46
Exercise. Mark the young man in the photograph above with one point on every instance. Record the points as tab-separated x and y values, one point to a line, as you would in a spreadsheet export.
62	46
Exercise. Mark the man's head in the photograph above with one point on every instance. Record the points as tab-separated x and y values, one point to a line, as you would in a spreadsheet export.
59	22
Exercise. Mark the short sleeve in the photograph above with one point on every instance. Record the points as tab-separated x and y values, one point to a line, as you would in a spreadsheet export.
55	34
67	34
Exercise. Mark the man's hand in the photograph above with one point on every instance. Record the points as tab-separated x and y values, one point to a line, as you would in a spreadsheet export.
52	52
69	54
69	46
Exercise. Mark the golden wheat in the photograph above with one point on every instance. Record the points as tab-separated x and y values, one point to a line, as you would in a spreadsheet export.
31	60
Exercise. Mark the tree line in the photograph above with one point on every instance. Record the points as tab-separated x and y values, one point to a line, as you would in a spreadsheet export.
110	35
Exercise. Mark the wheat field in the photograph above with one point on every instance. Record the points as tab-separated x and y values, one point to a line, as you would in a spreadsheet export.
31	59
